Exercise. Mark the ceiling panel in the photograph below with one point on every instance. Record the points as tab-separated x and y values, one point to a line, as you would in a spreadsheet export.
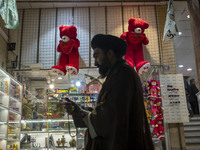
41	5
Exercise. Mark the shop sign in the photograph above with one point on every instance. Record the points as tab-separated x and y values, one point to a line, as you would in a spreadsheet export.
166	68
63	91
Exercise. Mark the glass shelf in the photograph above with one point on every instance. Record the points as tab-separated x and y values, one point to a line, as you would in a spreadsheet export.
3	94
45	120
12	139
13	126
2	107
33	148
52	131
17	100
3	138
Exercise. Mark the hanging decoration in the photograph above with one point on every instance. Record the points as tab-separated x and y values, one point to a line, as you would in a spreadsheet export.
135	38
170	29
69	56
8	11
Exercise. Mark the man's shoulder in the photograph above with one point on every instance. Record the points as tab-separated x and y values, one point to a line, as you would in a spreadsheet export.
126	69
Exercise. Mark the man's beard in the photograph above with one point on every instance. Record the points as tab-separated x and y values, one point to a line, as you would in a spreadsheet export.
104	67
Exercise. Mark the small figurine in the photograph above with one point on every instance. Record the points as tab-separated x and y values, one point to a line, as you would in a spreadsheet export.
63	140
58	142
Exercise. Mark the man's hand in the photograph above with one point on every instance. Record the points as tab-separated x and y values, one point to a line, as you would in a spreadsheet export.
72	107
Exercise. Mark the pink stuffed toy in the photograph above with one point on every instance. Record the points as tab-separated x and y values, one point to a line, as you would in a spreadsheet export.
158	89
154	110
134	38
68	48
153	88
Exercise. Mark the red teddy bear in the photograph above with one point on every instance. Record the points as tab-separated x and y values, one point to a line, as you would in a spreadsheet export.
134	38
68	48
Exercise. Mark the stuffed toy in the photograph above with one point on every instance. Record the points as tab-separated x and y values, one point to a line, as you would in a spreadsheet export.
155	128
154	110
153	88
135	38
68	48
160	129
158	89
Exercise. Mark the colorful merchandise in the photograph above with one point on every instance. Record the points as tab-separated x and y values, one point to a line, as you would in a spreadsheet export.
68	48
153	104
135	38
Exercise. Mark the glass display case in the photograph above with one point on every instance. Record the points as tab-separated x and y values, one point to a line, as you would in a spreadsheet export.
10	111
48	134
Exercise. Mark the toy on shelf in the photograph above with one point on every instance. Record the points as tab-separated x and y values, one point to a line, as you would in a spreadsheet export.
63	140
58	142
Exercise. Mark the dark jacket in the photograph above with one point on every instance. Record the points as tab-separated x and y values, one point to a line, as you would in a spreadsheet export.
193	92
119	118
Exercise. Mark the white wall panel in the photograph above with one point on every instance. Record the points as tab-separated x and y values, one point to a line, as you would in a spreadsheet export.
114	21
81	21
128	12
98	24
29	39
47	38
151	51
64	17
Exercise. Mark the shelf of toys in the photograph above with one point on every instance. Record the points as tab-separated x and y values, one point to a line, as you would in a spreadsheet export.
54	129
10	111
153	105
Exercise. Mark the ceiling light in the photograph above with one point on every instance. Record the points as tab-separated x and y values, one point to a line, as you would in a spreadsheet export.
51	86
180	66
188	16
189	69
179	33
78	83
59	78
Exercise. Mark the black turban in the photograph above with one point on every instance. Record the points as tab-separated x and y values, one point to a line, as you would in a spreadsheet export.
109	42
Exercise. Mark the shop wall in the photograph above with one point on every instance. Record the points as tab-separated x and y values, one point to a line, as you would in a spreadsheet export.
38	34
15	37
3	45
167	48
194	7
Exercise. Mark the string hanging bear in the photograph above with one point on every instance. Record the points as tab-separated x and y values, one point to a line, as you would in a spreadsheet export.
135	38
68	48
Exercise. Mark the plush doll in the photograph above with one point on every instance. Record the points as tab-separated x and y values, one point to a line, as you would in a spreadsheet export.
158	89
155	128
135	38
68	48
153	88
154	110
160	128
145	90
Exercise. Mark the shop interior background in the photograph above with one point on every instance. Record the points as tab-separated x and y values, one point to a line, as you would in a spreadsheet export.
38	34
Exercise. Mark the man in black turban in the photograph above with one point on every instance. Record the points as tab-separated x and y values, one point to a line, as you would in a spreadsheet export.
119	121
